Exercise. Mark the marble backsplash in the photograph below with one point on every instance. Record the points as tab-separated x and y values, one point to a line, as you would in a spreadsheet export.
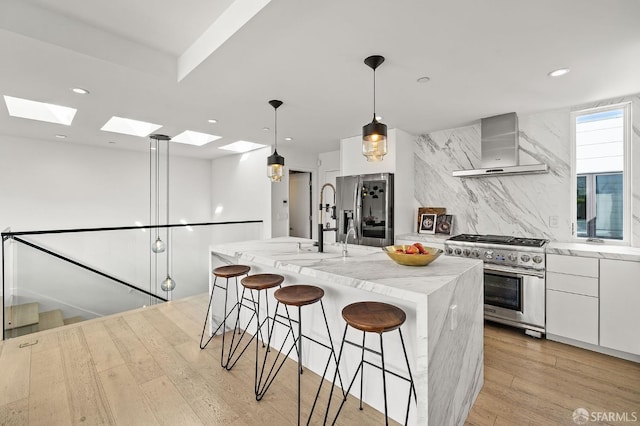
532	205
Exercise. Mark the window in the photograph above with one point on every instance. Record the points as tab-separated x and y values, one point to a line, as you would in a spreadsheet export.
601	166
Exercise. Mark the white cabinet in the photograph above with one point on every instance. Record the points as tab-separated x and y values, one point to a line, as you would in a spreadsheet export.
620	305
399	161
572	297
572	315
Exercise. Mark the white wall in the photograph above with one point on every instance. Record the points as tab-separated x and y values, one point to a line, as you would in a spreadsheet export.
240	190
52	185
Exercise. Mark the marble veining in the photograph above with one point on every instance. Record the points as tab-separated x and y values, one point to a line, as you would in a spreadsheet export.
447	362
594	250
518	205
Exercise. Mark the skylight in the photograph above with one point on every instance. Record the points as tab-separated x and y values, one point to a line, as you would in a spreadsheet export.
194	138
242	146
40	111
127	126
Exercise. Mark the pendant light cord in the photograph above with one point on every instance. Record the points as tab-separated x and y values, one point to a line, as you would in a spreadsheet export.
150	214
374	94
168	230
275	127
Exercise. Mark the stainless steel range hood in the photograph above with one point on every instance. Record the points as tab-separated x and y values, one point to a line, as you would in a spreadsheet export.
499	149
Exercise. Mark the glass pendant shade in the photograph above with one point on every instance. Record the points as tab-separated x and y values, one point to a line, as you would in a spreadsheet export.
275	162
275	167
374	134
158	246
374	140
168	284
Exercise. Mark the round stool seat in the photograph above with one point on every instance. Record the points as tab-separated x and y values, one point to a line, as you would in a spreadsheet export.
299	295
373	317
231	271
262	281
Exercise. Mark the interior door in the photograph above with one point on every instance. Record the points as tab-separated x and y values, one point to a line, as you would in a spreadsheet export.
300	204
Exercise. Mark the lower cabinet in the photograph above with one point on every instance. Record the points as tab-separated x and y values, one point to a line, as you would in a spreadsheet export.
620	305
574	316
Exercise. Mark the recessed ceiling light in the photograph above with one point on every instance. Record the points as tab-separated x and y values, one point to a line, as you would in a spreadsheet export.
194	138
127	126
559	72
40	111
242	146
288	139
212	120
80	91
266	129
423	80
61	136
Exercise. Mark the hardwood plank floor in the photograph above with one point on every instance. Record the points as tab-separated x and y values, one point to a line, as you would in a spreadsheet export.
145	367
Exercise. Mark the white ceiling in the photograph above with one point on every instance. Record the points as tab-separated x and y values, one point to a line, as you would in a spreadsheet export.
483	57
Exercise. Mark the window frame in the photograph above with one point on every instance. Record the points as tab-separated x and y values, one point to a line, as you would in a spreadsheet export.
626	180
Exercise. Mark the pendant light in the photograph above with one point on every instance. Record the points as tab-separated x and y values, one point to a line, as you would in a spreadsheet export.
158	246
168	284
374	134
275	162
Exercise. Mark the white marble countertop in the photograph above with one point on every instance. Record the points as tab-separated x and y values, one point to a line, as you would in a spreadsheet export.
438	239
602	251
366	268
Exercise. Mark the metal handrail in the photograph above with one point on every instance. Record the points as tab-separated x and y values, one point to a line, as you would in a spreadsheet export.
88	268
6	235
14	235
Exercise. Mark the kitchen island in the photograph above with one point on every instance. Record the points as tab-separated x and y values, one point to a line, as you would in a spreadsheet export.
443	332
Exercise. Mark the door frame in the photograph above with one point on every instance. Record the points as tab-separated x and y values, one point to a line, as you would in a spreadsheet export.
295	171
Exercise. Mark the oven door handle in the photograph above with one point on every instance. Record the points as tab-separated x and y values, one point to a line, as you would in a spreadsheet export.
513	272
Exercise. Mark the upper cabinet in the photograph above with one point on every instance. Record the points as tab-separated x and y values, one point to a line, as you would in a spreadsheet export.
399	161
399	154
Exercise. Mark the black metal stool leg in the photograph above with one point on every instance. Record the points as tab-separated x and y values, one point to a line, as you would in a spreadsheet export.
384	382
364	336
206	318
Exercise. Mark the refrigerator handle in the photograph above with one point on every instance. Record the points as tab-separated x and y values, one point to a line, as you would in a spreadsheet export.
356	210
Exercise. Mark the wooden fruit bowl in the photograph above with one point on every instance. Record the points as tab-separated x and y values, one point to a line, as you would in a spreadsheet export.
412	259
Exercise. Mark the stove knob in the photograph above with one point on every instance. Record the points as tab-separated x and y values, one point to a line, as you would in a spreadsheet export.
449	250
537	259
488	254
525	258
475	253
513	257
466	252
458	251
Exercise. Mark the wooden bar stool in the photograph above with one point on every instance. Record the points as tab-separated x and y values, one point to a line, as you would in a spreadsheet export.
252	283
380	318
228	271
298	295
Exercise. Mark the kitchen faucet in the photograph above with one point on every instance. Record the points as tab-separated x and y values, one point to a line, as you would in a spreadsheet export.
333	215
346	237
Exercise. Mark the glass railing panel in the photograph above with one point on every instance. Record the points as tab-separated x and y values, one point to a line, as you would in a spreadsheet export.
32	275
47	291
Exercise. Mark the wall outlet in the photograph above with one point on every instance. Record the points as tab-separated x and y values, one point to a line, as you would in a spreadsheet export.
553	221
454	316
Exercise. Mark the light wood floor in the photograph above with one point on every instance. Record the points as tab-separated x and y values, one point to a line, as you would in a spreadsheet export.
145	367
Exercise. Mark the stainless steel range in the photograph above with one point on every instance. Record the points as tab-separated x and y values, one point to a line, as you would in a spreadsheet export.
514	277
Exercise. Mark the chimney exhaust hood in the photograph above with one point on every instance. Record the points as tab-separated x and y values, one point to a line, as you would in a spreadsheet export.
499	149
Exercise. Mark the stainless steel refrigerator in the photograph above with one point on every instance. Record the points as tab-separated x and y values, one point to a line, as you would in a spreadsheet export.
366	202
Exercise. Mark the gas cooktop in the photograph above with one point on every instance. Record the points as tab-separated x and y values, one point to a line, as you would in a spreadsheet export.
499	240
